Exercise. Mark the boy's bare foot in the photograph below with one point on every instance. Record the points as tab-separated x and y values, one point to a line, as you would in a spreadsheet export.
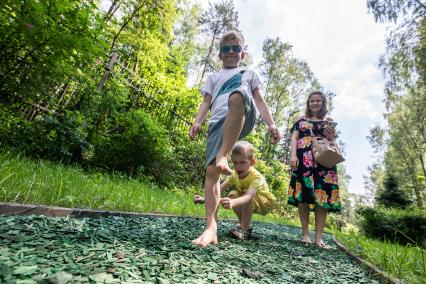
206	238
198	199
222	166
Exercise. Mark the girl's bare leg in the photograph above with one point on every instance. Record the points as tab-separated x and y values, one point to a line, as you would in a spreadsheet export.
304	220
320	216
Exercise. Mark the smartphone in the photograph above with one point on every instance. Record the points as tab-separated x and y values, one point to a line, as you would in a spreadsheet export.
331	124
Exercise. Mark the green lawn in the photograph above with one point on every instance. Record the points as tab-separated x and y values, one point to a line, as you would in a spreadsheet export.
405	262
42	182
23	180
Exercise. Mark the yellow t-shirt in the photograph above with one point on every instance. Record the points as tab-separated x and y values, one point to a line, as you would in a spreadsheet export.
253	179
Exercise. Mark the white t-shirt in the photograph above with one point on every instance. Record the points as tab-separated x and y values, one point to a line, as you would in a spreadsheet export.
250	80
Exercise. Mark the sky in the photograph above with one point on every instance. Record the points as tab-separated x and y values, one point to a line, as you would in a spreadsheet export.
341	43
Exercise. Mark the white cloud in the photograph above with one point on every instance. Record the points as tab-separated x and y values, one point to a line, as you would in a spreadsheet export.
355	78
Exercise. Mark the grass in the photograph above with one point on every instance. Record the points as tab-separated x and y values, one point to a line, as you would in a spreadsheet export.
27	181
23	180
404	262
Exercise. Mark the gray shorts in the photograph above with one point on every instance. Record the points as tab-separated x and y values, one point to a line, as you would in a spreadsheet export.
215	131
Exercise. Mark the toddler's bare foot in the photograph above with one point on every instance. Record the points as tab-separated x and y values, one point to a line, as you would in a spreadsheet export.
206	238
222	166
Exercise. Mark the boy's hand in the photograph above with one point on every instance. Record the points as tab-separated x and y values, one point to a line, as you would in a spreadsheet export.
227	203
275	134
198	199
195	128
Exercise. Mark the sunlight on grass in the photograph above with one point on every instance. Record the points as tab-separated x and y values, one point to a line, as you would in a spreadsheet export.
404	262
41	182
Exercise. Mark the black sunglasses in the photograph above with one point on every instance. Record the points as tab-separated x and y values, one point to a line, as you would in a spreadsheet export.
227	48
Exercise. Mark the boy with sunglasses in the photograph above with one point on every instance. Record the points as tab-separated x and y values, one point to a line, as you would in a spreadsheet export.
231	95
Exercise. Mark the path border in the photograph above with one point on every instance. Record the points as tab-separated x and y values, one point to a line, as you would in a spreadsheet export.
52	211
374	271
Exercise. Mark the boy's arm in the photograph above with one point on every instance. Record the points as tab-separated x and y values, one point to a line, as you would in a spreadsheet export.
229	203
202	111
266	115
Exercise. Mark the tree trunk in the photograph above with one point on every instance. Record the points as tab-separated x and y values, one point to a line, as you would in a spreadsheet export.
208	56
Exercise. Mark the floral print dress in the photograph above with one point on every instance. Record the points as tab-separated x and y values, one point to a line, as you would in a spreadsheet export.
312	183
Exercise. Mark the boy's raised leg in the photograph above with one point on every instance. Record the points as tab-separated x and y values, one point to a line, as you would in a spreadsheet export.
212	197
234	122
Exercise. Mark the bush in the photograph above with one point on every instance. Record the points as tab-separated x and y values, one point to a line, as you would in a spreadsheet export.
136	145
57	136
402	226
277	176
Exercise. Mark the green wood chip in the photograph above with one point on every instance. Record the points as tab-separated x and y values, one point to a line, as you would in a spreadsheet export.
25	270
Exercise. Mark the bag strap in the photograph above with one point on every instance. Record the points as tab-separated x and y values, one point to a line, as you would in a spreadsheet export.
239	74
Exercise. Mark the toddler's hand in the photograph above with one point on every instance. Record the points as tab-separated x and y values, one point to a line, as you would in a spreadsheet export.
198	199
275	134
195	128
227	203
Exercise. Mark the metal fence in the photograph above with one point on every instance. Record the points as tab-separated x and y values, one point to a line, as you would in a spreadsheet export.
146	96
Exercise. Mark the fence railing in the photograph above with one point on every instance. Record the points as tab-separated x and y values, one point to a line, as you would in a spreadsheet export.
149	97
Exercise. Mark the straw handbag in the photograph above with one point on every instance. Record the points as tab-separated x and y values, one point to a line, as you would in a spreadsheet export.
326	153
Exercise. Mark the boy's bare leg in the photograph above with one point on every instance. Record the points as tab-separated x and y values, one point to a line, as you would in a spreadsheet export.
246	214
239	212
212	197
304	221
234	122
320	216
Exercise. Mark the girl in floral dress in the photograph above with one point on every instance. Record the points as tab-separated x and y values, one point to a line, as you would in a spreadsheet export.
312	186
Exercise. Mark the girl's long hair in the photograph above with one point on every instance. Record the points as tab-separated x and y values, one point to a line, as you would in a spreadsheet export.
323	111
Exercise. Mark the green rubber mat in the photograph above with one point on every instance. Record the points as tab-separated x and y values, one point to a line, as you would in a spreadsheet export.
36	249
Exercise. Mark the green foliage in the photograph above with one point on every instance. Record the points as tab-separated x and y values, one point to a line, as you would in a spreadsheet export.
59	136
136	145
402	226
277	176
44	44
404	68
392	196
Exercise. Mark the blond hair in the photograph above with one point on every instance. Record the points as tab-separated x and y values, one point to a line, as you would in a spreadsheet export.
232	35
245	149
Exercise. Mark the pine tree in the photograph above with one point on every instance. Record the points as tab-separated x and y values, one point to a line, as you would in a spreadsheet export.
392	196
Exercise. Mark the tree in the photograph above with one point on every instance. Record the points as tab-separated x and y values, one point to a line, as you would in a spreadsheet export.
217	19
287	82
392	196
404	66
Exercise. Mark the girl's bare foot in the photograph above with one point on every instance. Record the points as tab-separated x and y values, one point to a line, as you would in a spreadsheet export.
206	238
222	166
322	245
306	240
